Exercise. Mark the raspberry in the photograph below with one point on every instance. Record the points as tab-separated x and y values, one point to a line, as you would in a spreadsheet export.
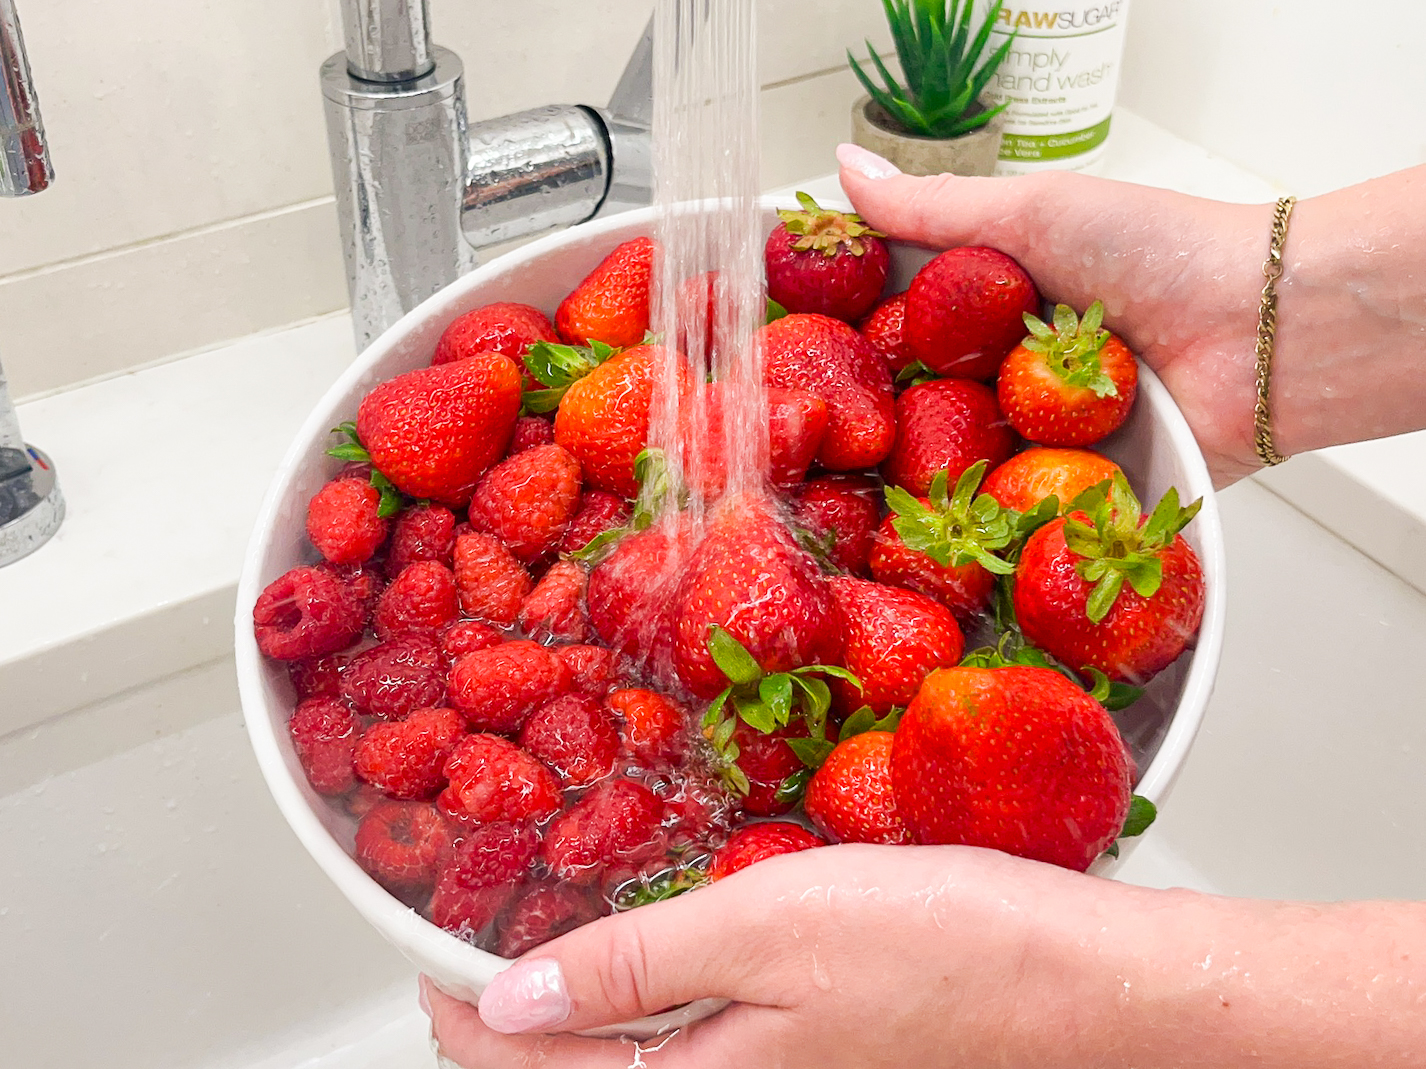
499	687
481	875
306	613
606	834
361	801
342	521
594	668
759	841
845	507
555	608
489	581
401	844
506	327
324	734
320	677
422	599
599	511
655	726
422	532
492	779
406	759
575	737
366	581
531	431
396	677
540	913
467	636
528	500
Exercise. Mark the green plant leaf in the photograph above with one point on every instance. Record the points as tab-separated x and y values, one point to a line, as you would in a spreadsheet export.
542	401
775	311
732	658
1101	598
775	691
857	723
756	714
791	790
812	752
1142	813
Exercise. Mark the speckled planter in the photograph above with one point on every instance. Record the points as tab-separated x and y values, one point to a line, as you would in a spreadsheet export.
974	153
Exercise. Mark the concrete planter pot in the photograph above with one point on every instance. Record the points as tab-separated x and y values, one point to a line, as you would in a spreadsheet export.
973	154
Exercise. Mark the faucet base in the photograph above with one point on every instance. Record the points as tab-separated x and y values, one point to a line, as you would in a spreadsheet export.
31	506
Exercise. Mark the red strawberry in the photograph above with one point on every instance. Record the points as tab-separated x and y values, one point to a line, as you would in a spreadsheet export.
700	807
1068	385
599	511
606	834
324	736
964	311
611	304
305	613
895	638
965	589
885	329
797	423
575	737
505	327
630	594
467	636
528	500
594	669
824	261
768	762
531	431
343	522
833	361
481	875
841	512
406	759
492	779
396	677
498	688
697	312
1027	478
655	727
750	578
490	582
1110	590
850	798
422	532
1016	759
435	430
758	842
555	608
945	425
541	912
422	599
401	844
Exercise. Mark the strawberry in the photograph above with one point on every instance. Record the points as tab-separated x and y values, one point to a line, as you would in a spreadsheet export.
606	834
422	599
422	532
945	424
343	521
305	613
527	501
964	311
324	736
539	913
593	669
1029	477
630	594
965	589
611	304
750	578
575	737
555	608
697	313
599	511
1110	590
850	799
497	688
827	262
796	424
1068	385
757	842
833	361
654	725
435	430
885	328
481	876
492	779
840	512
467	636
396	677
1016	759
406	758
769	771
700	806
401	844
490	582
505	327
895	638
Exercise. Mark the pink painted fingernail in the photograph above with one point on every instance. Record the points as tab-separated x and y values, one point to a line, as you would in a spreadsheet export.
529	996
865	162
422	999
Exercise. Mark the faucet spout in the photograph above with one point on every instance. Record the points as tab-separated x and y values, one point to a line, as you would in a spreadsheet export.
24	157
388	40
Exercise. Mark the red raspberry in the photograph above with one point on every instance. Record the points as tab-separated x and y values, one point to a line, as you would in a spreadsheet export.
555	608
366	581
492	779
320	677
884	328
506	327
355	469
540	913
845	507
606	834
396	677
324	733
575	737
481	875
767	760
406	759
655	726
401	844
499	687
363	800
421	600
531	431
528	500
757	842
422	532
306	613
489	581
594	668
467	636
599	511
342	521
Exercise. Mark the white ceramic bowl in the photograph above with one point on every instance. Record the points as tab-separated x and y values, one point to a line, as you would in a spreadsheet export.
1155	448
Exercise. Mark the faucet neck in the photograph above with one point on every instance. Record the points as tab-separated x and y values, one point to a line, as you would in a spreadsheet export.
24	157
387	40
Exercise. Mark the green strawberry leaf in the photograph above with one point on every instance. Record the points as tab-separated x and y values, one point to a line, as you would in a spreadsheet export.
817	699
351	449
791	790
775	311
756	714
644	890
775	691
392	500
812	752
542	401
1142	813
1101	598
914	374
713	714
859	722
732	658
1121	696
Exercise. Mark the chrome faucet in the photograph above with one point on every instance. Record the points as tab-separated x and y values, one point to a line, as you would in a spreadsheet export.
420	191
31	506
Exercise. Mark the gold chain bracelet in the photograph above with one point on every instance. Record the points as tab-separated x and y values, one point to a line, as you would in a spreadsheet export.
1267	332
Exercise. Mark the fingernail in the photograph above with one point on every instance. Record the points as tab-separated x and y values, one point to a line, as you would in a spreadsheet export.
529	996
865	162
422	999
